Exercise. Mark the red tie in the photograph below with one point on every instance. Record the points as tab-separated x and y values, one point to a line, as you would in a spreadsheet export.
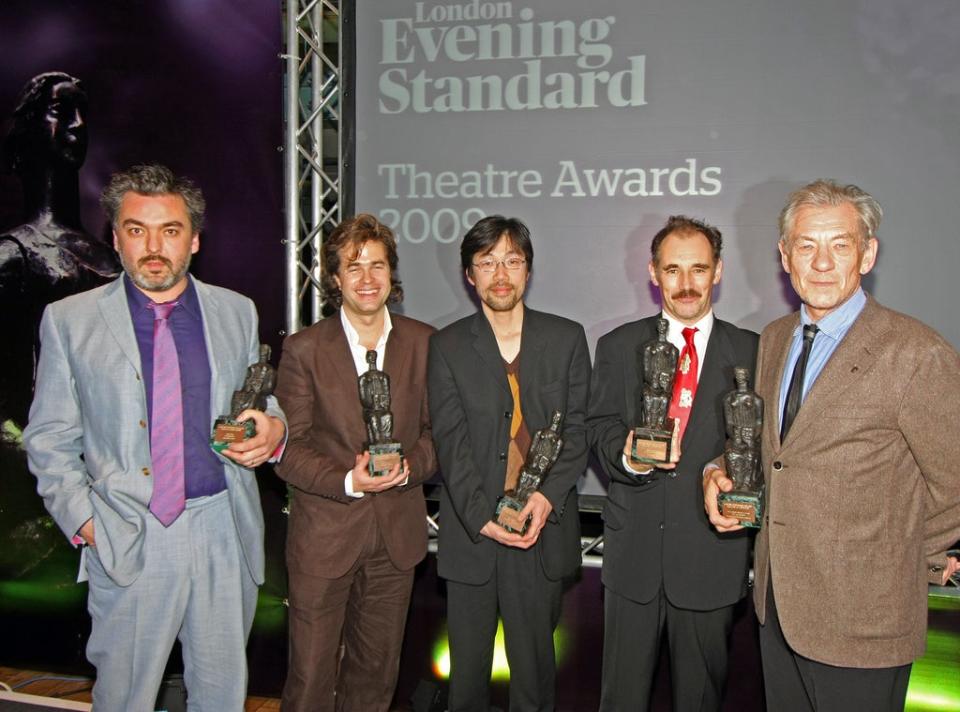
685	383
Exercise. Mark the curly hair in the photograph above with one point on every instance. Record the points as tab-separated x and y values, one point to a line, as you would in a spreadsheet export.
355	232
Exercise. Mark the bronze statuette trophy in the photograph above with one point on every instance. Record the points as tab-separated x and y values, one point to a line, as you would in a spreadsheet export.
259	383
543	453
658	366
743	413
375	398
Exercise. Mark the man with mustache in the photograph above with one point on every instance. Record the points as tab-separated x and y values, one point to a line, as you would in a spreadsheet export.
663	565
496	378
131	376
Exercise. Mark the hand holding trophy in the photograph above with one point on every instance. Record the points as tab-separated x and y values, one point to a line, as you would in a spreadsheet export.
374	386
259	383
543	453
657	365
743	413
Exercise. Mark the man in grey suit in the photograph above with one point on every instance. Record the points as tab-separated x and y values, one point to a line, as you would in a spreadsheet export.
664	568
130	378
495	379
860	453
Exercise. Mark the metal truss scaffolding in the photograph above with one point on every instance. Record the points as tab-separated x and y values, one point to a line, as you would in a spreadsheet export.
312	148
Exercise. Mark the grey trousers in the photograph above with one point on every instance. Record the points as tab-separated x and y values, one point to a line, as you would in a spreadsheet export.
195	586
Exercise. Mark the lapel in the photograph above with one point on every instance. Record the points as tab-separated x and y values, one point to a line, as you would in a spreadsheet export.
217	340
848	365
397	351
485	345
646	330
775	349
115	311
333	348
532	344
718	356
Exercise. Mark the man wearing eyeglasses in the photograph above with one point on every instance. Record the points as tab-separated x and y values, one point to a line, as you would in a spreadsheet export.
495	379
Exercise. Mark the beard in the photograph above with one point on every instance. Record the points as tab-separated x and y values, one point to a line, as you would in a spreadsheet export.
156	282
498	302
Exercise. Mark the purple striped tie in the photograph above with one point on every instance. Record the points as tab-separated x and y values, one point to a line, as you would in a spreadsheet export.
166	430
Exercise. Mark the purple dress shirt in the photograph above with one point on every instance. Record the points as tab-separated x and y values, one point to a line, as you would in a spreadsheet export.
203	473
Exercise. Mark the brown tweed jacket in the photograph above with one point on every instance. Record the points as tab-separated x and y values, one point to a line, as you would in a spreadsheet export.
863	497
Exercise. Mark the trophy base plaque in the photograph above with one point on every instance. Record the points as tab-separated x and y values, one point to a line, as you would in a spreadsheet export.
744	506
508	515
651	446
383	456
227	430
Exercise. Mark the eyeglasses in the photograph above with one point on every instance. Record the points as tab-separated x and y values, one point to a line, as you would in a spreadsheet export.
489	265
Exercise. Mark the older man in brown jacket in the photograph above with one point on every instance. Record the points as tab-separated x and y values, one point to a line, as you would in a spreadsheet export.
863	480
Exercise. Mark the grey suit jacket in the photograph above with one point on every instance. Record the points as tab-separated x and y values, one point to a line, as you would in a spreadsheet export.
863	496
655	531
471	408
87	439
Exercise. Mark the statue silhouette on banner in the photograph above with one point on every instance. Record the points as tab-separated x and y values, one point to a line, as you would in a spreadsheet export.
51	255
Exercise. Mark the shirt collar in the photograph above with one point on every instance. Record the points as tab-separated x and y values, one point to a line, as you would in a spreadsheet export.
704	325
139	301
836	323
353	338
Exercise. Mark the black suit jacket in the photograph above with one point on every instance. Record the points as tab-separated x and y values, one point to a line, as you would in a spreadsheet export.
471	408
655	529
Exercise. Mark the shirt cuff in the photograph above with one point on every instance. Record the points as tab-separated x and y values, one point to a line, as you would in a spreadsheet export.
626	466
709	467
281	446
348	486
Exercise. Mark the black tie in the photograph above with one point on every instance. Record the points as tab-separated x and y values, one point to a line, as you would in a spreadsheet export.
795	392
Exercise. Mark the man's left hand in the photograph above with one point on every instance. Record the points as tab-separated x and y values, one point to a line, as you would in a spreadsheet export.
255	451
538	508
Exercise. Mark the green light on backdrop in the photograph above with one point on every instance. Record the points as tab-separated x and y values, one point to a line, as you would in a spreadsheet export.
40	595
934	682
501	671
271	616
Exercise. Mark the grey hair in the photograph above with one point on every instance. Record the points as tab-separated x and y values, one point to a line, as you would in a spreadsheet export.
153	179
825	192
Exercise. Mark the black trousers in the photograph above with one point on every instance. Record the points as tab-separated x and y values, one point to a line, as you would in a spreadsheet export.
631	646
794	683
529	604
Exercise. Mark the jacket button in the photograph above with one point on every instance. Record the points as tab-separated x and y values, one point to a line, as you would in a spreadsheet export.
672	474
503	456
146	471
507	414
936	569
662	525
143	423
777	466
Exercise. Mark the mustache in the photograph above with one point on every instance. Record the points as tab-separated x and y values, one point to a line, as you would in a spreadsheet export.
685	293
155	258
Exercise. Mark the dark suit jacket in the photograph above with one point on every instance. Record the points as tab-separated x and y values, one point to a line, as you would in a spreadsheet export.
317	382
471	408
655	530
863	497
